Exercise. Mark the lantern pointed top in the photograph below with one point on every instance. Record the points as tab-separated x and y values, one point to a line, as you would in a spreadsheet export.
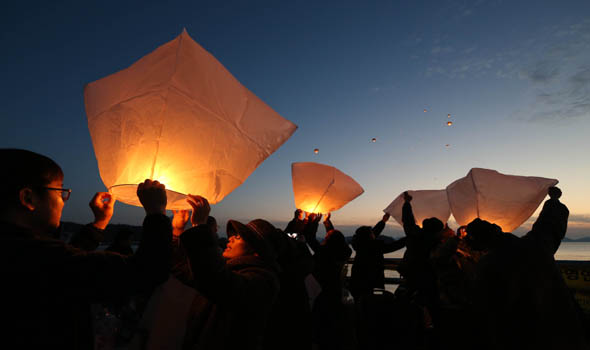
178	116
320	188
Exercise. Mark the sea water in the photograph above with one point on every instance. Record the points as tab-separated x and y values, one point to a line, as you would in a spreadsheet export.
566	251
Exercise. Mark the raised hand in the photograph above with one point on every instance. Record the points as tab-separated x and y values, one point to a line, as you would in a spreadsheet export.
102	205
407	197
152	196
385	217
201	209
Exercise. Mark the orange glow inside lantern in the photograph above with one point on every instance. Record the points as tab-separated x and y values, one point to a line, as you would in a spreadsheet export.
320	188
316	151
179	117
449	123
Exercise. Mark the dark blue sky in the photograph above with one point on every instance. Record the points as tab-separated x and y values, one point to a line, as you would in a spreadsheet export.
513	74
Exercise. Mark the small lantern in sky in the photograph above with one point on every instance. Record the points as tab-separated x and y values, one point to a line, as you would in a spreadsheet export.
316	151
179	117
448	115
449	123
505	200
374	140
320	188
425	204
425	110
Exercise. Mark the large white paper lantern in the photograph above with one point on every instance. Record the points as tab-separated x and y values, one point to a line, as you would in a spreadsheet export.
179	117
425	204
320	188
505	200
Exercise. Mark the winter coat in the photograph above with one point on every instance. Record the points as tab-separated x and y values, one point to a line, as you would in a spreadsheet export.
369	265
48	285
234	296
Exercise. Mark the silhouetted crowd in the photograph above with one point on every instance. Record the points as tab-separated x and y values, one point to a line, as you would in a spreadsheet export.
268	288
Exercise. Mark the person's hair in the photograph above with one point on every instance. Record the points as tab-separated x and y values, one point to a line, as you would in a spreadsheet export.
211	222
432	225
22	169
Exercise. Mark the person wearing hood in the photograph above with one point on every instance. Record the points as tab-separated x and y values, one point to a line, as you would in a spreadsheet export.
48	285
368	269
236	288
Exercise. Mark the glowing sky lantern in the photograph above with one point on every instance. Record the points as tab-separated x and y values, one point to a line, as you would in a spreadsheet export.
179	117
506	200
425	110
448	115
374	140
316	151
449	123
425	204
320	188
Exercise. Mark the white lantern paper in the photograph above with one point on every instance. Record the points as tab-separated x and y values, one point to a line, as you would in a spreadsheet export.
506	200
320	188
425	204
179	117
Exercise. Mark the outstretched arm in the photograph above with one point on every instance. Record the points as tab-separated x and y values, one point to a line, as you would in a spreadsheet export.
410	227
378	228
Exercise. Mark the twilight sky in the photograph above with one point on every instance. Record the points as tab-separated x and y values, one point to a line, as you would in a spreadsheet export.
514	75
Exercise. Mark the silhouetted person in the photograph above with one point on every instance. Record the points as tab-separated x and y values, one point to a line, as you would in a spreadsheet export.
521	300
289	325
330	256
122	243
297	224
48	285
551	225
236	288
416	267
368	269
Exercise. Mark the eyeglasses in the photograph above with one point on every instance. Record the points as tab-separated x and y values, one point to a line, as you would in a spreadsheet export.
65	192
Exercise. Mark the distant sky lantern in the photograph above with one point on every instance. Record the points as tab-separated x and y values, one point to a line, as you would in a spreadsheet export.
316	151
448	115
506	200
320	188
425	204
179	117
449	123
425	110
447	145
374	140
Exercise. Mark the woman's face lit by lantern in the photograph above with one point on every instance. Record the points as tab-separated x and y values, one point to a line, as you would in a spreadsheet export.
236	247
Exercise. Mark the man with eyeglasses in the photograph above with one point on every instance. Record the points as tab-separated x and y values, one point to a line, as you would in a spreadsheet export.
48	285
